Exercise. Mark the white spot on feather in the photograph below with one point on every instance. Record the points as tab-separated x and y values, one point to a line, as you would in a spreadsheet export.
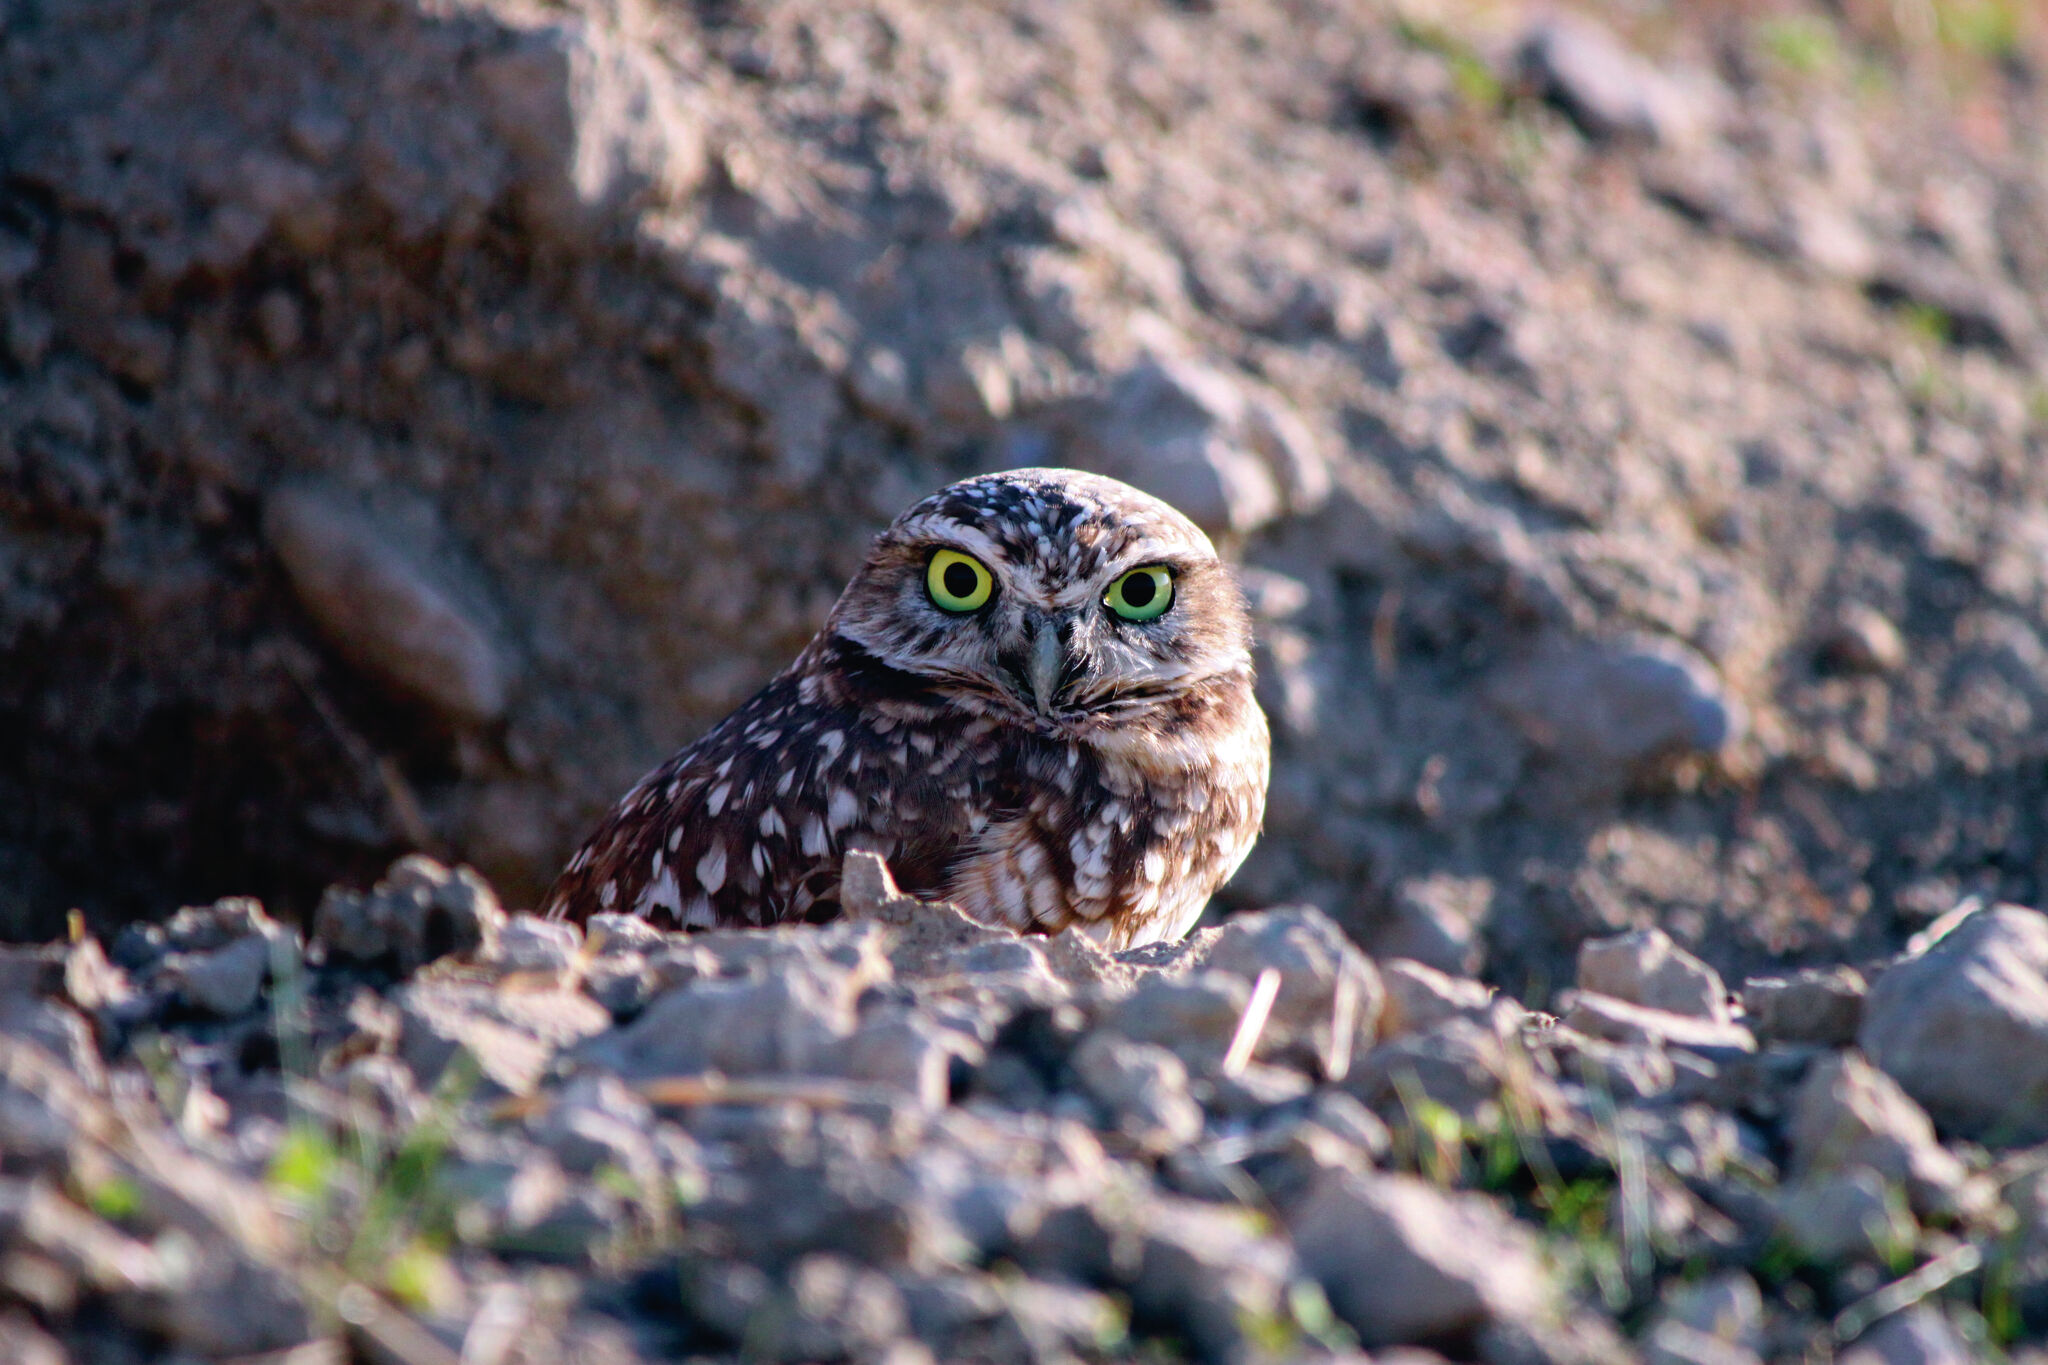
714	802
841	810
711	868
661	893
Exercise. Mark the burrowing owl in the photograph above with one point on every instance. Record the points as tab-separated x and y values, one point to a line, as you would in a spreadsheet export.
1034	700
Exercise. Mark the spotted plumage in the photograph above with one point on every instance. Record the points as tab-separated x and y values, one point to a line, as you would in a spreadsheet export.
1034	700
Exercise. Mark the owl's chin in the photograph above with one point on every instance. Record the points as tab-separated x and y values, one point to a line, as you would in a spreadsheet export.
1080	722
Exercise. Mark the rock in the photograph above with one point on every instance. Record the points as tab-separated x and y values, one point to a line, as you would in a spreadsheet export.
1402	1261
1230	456
24	1343
1847	1215
528	943
1419	998
929	937
1611	91
1254	1091
1863	640
1646	968
511	1036
966	1317
1289	1161
202	928
594	122
1203	1275
229	1303
1849	1115
526	1206
1819	1005
92	983
1673	1343
1144	1089
1610	710
826	1309
1716	1321
1970	309
382	610
220	955
1963	1027
1618	1021
1461	1064
793	1021
234	1299
595	1123
223	982
1326	983
902	1049
622	934
419	912
30	971
1636	1071
1434	920
1193	1016
622	982
1917	1336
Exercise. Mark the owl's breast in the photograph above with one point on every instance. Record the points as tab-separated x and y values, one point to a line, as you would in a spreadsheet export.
1125	831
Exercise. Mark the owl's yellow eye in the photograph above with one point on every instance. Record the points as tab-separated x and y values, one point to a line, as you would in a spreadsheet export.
1143	594
958	582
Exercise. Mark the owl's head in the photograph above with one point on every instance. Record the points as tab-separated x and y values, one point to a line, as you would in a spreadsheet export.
1049	596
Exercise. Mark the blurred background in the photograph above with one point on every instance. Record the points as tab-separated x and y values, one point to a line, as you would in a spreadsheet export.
418	417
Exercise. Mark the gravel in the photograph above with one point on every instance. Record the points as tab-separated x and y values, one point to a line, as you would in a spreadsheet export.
841	1143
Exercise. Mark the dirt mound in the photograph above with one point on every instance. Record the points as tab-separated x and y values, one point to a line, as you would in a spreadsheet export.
417	419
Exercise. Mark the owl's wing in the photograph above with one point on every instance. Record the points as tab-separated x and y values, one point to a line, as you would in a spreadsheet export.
750	824
713	836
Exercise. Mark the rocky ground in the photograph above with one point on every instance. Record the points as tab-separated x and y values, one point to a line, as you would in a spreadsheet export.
437	1133
417	417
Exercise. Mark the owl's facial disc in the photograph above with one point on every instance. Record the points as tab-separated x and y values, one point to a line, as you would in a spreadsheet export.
1049	597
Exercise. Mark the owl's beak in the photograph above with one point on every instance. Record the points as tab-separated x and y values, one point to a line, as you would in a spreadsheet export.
1047	662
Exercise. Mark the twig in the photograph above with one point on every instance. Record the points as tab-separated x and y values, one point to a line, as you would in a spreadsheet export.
378	1331
683	1092
1860	1316
1252	1023
1343	1028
